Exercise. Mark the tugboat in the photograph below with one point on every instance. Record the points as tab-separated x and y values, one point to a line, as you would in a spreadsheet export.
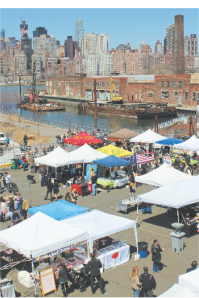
34	104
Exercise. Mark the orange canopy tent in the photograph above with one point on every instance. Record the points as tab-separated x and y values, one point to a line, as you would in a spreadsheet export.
83	138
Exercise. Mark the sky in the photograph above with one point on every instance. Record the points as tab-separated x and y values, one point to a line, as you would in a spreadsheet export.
123	25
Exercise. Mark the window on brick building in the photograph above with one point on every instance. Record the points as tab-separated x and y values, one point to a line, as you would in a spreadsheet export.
116	85
194	95
71	84
168	83
174	84
100	84
162	84
75	84
89	84
165	94
186	95
107	84
78	84
66	84
85	84
180	84
150	94
176	95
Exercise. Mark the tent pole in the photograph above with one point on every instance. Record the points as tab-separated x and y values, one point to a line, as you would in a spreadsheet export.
178	215
33	270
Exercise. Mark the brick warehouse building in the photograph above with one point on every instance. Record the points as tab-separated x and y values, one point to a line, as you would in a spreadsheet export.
173	89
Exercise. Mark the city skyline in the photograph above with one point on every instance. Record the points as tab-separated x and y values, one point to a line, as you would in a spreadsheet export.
147	25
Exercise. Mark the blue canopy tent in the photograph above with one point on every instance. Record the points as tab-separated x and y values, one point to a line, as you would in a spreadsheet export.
169	142
112	161
59	210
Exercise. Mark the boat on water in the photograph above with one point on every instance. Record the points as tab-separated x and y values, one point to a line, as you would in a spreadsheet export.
35	104
135	111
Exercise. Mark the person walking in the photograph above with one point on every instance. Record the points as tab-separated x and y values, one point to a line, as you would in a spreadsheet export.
49	189
32	163
131	183
25	163
55	189
8	181
135	282
93	267
42	173
25	140
148	283
94	183
83	186
19	203
63	279
156	255
11	207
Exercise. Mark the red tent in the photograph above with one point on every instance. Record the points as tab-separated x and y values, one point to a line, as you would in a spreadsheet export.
83	138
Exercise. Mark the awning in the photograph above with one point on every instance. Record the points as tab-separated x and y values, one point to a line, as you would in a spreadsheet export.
83	138
111	161
190	144
148	136
123	134
114	150
169	142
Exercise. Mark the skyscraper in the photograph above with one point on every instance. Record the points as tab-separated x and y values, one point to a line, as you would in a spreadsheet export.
79	31
178	57
26	43
2	32
39	31
70	46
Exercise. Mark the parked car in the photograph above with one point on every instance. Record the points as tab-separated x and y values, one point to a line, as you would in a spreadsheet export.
2	138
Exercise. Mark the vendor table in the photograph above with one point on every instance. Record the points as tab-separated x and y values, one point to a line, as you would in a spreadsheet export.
127	203
112	183
79	188
112	257
190	230
7	291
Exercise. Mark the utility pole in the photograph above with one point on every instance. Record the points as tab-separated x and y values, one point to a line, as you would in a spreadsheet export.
95	103
20	99
156	123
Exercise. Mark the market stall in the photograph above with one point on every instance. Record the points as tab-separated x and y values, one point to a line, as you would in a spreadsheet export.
40	236
100	224
148	136
122	134
179	291
169	142
83	138
111	162
59	210
162	175
113	150
191	144
174	195
190	279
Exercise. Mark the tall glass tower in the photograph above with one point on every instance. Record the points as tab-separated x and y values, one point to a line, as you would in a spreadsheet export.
79	31
2	32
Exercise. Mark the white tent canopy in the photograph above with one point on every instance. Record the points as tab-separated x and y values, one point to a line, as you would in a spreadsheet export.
100	224
190	144
39	235
57	158
85	154
179	291
148	136
173	195
192	182
162	175
190	279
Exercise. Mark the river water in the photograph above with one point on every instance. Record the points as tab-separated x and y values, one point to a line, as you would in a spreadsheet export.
10	96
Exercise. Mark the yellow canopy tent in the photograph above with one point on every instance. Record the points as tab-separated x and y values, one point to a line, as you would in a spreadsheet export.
113	150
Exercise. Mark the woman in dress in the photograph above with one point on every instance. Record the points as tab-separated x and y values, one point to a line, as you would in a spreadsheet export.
135	282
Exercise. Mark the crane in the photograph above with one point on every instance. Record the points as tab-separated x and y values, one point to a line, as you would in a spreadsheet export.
113	95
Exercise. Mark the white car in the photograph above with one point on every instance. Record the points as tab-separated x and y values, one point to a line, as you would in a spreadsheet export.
2	138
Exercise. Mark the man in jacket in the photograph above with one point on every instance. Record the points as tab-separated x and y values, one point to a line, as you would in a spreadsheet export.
49	189
156	255
25	140
32	163
94	183
93	267
148	283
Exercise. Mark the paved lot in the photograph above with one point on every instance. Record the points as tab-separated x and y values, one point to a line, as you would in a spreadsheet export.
152	226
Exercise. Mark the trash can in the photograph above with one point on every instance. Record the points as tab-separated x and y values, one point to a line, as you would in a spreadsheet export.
142	249
15	163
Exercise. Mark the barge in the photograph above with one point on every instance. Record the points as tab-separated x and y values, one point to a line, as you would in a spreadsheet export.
135	111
